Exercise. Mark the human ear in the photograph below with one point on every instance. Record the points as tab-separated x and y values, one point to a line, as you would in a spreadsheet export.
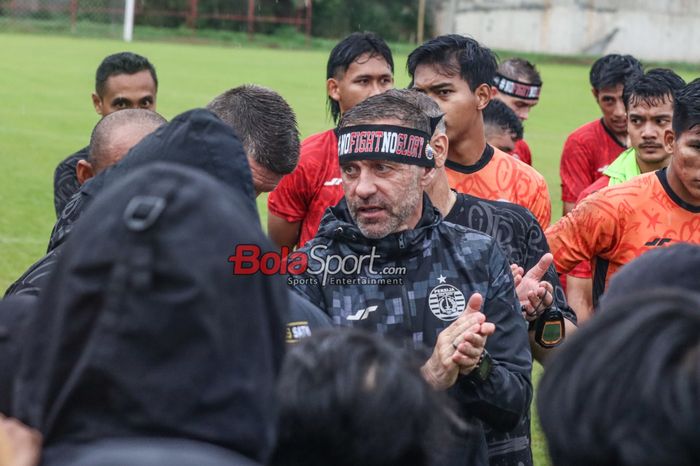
669	141
97	103
440	144
483	96
84	171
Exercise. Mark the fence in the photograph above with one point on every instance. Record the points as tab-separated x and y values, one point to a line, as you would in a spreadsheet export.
250	16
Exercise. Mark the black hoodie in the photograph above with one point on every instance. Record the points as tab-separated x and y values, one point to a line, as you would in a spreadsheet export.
196	138
143	330
14	314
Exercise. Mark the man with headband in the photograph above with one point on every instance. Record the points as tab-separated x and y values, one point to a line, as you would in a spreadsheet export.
518	85
384	260
458	72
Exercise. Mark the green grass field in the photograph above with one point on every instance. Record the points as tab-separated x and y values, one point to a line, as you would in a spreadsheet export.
46	114
45	86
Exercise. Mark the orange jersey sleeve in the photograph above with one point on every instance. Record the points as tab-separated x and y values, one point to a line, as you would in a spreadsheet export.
584	233
621	222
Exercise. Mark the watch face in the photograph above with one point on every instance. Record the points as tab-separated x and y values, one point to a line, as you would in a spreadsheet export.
484	367
552	333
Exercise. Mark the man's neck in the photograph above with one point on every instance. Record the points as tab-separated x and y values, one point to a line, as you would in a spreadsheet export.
469	150
645	167
440	193
677	186
622	138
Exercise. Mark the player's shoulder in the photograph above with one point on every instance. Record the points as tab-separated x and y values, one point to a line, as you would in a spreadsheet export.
502	159
636	191
320	141
585	132
318	150
594	187
490	216
467	239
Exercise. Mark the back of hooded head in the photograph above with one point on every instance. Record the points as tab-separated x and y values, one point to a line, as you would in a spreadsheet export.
196	138
349	397
625	390
143	330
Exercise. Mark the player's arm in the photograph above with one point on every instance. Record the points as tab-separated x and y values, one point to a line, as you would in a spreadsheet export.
579	291
288	205
504	397
531	254
542	207
574	171
588	231
539	290
283	232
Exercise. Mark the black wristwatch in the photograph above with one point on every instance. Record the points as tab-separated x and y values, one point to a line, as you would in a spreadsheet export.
483	368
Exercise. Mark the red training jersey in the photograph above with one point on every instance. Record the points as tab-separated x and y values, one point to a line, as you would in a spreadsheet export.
521	151
621	222
587	152
498	176
314	185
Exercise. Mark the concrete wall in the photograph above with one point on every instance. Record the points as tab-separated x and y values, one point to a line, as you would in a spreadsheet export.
666	30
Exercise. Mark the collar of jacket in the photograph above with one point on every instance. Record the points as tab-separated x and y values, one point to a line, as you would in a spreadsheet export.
338	225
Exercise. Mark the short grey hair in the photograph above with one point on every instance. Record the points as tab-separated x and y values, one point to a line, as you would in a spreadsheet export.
264	122
411	107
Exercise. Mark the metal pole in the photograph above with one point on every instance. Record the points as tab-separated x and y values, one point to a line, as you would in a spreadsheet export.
192	16
308	21
251	18
73	15
129	20
421	20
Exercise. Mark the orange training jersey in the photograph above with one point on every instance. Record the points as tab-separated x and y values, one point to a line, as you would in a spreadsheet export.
621	222
498	176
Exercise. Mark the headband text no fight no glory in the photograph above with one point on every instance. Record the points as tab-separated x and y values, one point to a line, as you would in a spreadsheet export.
385	142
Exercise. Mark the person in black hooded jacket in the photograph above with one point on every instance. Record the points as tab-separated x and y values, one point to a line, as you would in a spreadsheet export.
143	331
410	276
196	138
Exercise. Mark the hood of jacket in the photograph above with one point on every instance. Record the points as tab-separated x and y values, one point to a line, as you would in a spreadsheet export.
198	139
143	330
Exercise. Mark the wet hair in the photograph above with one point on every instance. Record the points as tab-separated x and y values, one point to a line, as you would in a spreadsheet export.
653	88
614	69
347	51
624	391
498	115
122	63
348	397
426	104
520	69
454	54
101	137
686	108
264	122
391	104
